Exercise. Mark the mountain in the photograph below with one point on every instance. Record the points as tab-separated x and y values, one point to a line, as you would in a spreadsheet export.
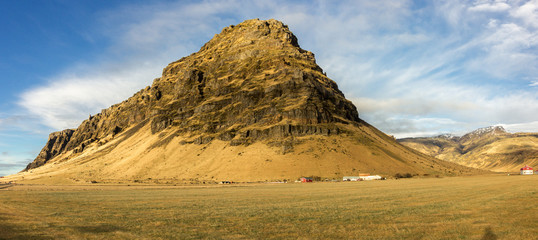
490	148
251	105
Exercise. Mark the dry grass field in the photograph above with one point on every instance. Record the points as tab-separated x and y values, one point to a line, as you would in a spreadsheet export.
481	207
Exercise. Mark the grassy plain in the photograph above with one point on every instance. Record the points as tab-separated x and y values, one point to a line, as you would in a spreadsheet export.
481	207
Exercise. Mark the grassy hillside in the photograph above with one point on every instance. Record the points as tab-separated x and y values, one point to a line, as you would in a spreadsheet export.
495	152
432	208
137	155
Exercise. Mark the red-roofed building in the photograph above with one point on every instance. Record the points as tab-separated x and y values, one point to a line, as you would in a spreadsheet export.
306	179
526	170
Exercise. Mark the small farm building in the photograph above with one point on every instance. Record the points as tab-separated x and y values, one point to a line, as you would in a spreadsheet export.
362	177
351	178
371	177
306	179
526	170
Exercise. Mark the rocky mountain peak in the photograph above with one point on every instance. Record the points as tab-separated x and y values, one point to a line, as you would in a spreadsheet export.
271	32
262	44
249	83
490	130
482	132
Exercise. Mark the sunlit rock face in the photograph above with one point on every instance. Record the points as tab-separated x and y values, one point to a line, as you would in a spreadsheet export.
250	82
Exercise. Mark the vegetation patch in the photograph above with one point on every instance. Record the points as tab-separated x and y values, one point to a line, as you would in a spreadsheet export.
404	175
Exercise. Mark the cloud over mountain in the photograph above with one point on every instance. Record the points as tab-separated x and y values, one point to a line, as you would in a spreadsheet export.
459	64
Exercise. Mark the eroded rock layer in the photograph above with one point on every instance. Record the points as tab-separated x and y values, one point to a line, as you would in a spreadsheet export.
250	82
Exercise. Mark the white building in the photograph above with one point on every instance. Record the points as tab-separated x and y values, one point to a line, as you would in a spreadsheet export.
371	177
351	178
361	177
526	170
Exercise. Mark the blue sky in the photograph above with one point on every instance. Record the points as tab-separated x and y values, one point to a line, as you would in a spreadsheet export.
413	68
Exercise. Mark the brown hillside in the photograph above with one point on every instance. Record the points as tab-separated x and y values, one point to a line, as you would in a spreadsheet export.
489	148
251	105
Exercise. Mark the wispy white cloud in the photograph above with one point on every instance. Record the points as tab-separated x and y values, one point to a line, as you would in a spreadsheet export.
528	13
20	122
70	98
506	51
465	107
453	13
522	127
144	39
490	6
411	69
10	163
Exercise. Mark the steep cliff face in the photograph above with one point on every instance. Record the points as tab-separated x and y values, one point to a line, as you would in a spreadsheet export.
55	145
249	82
251	105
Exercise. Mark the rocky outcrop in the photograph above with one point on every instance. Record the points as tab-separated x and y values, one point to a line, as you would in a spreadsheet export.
251	82
55	145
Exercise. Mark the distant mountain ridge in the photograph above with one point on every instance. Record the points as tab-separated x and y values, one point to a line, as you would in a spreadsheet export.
490	148
484	132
